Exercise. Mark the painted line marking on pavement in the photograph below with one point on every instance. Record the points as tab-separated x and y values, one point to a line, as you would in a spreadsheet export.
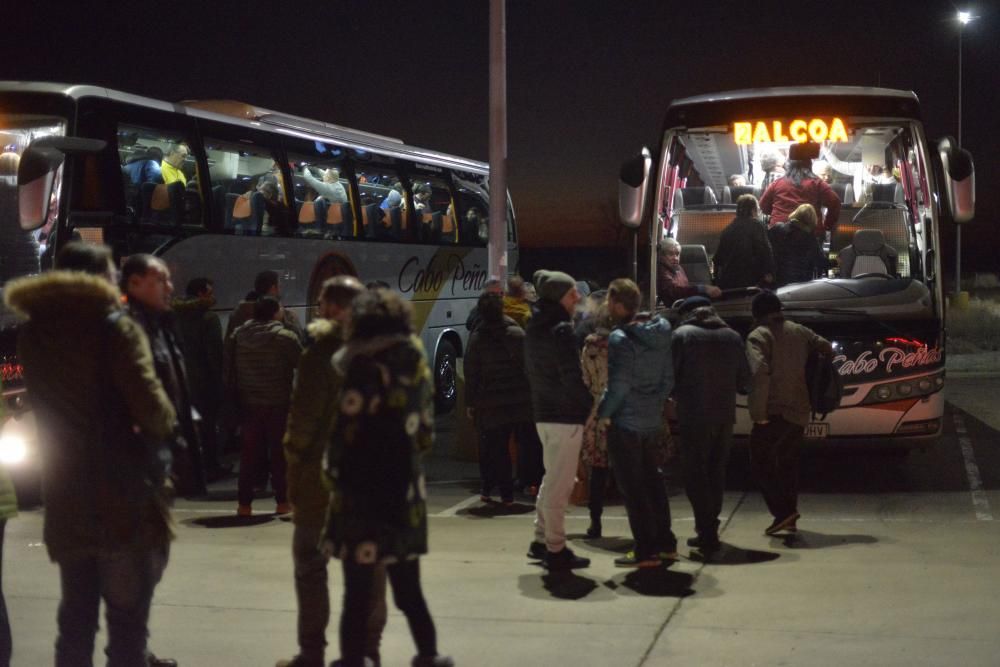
454	509
980	503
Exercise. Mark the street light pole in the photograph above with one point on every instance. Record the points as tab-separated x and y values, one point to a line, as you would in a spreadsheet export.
963	19
498	141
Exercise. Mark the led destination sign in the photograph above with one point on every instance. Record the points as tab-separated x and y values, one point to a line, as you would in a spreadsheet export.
799	130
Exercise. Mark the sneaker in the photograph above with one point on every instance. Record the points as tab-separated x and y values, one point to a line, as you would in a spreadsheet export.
704	544
299	661
436	661
537	551
561	561
283	508
153	661
244	510
632	560
788	523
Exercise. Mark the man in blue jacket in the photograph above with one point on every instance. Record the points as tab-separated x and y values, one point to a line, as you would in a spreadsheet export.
640	377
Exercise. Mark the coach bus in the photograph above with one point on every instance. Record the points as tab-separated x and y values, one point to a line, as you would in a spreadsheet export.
224	190
881	304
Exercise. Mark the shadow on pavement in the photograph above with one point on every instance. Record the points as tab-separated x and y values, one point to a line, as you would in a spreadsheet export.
656	582
491	510
807	539
617	545
563	586
230	521
732	555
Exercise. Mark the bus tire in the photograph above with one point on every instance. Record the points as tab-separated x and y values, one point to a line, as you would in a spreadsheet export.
445	378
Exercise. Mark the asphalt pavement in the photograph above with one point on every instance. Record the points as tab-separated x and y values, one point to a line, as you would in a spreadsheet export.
896	563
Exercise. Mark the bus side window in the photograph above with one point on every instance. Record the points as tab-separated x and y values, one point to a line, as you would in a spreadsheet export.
248	190
384	215
160	176
473	215
432	202
322	195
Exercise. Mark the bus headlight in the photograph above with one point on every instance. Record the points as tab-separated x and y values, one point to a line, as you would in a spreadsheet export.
13	449
925	385
904	388
883	392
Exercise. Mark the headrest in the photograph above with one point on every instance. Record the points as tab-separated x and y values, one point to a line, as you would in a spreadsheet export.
868	240
884	192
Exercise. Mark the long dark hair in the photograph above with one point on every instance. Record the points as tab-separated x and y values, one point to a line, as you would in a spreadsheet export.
799	170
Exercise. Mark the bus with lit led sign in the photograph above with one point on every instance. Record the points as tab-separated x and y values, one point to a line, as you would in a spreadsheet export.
880	301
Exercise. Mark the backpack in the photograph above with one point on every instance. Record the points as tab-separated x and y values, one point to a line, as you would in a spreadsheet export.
825	384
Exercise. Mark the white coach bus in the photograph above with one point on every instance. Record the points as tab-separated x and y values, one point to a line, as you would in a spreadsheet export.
885	315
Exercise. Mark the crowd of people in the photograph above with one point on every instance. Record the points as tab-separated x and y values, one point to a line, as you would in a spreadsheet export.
338	416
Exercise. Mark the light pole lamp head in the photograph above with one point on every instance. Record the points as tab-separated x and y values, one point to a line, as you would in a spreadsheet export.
965	17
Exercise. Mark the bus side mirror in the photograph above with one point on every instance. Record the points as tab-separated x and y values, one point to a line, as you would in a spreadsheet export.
36	174
959	179
633	187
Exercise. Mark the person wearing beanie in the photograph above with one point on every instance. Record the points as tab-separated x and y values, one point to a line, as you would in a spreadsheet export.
561	404
744	258
779	405
710	368
800	185
797	254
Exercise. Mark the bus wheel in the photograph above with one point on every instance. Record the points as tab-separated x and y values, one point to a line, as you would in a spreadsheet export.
445	377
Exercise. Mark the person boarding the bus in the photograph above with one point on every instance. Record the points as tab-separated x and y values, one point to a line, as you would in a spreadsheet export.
561	403
798	257
779	405
640	377
310	423
107	516
710	368
264	284
671	281
800	185
173	160
145	280
744	257
330	188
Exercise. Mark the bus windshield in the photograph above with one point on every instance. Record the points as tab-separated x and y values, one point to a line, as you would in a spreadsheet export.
874	166
20	251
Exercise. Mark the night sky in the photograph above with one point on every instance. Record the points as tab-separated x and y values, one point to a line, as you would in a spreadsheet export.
588	83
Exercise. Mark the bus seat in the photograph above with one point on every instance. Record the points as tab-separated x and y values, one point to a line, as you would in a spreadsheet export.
162	203
370	215
430	228
247	212
731	193
306	212
219	202
888	192
448	228
694	261
868	253
337	220
392	222
698	196
844	192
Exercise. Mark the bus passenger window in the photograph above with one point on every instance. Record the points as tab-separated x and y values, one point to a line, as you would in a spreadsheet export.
247	189
472	197
384	212
160	176
435	209
323	207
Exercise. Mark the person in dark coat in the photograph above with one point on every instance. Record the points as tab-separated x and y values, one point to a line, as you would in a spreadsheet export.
384	424
107	515
265	284
491	287
200	332
744	258
798	257
497	393
710	367
560	403
145	280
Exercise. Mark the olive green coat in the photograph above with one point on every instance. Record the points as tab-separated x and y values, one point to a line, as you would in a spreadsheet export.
310	422
70	350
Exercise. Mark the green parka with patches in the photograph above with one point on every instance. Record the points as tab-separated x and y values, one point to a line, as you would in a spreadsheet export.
310	422
79	360
383	426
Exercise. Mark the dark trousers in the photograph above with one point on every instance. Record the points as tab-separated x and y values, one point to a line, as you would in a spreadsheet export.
359	581
6	643
597	490
313	597
634	457
262	427
209	432
774	459
125	580
705	453
530	467
494	461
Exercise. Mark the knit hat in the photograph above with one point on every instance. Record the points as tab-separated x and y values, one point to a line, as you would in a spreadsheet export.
552	285
693	302
764	304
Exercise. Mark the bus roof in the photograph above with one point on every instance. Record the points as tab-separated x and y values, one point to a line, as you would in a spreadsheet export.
848	100
257	118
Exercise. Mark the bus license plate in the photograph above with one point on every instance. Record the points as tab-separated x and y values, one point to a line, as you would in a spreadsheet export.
817	430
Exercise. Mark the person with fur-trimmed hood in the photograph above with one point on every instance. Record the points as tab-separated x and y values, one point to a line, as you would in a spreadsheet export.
107	519
710	368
